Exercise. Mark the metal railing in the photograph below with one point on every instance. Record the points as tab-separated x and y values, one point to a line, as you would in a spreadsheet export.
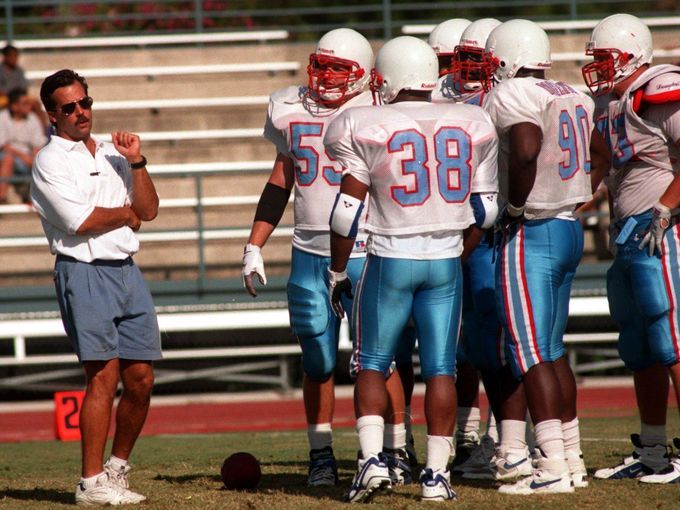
24	19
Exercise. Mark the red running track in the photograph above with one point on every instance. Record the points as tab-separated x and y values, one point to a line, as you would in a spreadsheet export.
277	414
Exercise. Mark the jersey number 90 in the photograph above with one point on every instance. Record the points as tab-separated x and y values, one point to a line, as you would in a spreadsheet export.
453	169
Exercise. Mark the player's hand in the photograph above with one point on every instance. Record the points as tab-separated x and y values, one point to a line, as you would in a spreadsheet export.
339	284
653	238
128	144
252	264
505	224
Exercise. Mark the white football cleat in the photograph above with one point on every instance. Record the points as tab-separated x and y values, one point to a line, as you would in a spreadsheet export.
436	485
105	492
645	460
511	467
372	476
577	469
398	466
550	477
120	477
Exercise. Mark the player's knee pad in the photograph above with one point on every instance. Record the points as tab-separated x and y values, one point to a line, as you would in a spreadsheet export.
633	351
309	311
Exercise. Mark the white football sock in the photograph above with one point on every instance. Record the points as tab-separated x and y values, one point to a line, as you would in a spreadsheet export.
395	436
549	438
513	434
572	436
439	449
467	419
370	429
320	435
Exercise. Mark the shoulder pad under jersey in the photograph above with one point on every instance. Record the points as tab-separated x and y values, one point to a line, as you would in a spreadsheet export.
664	88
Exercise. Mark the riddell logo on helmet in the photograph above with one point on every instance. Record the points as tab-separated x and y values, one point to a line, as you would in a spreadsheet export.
325	51
428	85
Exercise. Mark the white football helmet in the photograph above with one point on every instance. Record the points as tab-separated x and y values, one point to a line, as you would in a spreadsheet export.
404	63
339	67
445	36
620	44
470	65
517	44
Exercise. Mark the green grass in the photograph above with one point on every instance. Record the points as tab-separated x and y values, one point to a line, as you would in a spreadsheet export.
177	472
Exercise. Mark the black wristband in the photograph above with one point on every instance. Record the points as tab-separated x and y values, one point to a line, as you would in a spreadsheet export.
139	164
272	204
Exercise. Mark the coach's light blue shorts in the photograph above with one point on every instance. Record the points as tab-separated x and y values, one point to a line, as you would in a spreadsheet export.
107	310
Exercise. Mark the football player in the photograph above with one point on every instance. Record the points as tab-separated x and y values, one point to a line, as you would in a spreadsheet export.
443	39
296	122
641	129
422	165
541	241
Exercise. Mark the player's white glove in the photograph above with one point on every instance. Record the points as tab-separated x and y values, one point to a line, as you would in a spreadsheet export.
252	263
661	220
338	284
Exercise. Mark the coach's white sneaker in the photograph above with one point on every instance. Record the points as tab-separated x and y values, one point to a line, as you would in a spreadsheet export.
372	476
119	476
510	466
550	477
436	485
104	492
645	460
577	469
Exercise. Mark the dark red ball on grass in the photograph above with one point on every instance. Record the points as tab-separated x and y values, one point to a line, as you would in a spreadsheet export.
241	471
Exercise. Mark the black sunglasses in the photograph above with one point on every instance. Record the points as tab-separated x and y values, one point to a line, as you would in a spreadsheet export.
85	103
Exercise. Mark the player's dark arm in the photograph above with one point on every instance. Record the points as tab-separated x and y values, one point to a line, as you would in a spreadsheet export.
525	145
600	159
471	238
105	219
342	242
273	200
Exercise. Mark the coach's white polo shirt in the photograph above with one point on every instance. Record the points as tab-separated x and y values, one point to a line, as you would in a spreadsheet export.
68	183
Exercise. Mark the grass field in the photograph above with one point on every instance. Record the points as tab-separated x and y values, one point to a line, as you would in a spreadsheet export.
177	472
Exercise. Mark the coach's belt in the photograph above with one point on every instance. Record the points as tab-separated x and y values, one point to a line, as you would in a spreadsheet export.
97	262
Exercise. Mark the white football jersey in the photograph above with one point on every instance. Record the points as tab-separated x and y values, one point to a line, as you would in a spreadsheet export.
644	149
420	161
448	91
296	125
565	117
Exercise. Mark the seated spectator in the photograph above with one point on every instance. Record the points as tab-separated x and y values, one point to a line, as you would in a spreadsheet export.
21	137
12	77
11	74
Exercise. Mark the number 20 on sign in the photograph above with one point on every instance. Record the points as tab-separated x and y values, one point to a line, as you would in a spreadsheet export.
67	405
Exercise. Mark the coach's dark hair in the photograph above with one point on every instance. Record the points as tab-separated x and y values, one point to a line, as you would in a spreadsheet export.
15	94
60	79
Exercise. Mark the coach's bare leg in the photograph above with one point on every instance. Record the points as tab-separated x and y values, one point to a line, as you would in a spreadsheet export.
319	398
440	405
568	388
370	394
95	415
133	407
651	391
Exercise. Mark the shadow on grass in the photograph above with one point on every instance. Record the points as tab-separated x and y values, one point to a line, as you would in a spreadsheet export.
37	494
181	479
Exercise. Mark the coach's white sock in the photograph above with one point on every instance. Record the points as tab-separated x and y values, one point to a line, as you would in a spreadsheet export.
572	436
91	481
549	438
439	449
320	435
513	437
651	435
467	419
370	429
395	436
117	463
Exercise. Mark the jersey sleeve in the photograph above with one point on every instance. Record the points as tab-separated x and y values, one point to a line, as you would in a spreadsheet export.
667	117
342	148
511	103
485	176
274	134
56	196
